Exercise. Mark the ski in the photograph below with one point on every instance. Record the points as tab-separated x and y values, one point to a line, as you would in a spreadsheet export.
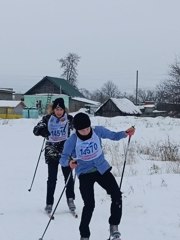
74	214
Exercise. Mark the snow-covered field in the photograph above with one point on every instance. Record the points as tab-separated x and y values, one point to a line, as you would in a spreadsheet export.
151	192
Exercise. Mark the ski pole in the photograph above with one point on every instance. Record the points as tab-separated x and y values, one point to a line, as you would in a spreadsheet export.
74	178
52	216
37	165
124	162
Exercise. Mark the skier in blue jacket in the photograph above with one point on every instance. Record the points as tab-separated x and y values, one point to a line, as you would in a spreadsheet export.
84	150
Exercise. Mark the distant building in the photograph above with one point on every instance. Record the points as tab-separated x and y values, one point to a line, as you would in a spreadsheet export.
53	85
147	108
11	109
171	109
47	90
6	93
117	107
77	103
18	96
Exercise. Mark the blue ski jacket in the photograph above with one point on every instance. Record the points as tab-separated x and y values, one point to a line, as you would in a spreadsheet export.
99	164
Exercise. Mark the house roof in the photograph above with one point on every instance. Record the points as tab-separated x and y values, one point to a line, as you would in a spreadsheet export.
85	100
67	88
124	105
146	106
9	103
8	90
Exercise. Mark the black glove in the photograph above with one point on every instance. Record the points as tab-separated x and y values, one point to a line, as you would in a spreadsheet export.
41	130
44	133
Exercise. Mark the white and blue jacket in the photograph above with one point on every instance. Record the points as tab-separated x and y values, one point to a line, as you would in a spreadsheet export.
88	153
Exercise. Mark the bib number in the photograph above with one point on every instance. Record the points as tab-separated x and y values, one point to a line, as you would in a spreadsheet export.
89	149
58	133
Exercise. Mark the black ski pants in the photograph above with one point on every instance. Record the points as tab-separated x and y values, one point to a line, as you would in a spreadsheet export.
52	178
108	182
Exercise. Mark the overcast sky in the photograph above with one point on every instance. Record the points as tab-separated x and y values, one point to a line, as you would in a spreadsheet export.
114	38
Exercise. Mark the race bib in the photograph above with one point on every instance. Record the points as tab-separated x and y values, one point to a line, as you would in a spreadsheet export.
58	129
89	149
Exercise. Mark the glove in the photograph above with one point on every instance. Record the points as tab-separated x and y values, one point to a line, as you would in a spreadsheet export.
41	130
38	128
130	131
44	133
73	164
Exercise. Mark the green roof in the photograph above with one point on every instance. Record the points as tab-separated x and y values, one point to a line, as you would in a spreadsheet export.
67	88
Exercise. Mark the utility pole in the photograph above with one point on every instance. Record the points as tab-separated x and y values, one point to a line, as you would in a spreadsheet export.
137	87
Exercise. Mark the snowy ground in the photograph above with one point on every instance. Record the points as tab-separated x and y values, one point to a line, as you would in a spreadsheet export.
151	209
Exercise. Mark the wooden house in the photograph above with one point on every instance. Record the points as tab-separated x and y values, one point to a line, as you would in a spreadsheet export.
171	109
53	85
6	93
118	107
47	90
11	109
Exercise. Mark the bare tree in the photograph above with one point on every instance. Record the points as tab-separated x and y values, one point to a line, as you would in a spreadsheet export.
143	95
86	93
110	89
169	89
174	81
129	96
162	93
69	65
146	95
98	96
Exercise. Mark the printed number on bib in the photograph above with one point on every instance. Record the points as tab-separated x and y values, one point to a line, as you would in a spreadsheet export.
89	149
58	133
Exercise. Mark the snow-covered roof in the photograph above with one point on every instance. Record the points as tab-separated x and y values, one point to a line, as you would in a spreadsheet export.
126	106
158	111
149	105
6	90
146	106
9	103
85	100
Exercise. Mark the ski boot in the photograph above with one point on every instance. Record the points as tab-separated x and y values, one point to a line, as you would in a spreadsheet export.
48	208
71	205
114	233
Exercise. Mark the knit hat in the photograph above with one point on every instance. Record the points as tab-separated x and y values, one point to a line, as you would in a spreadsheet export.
58	102
81	121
